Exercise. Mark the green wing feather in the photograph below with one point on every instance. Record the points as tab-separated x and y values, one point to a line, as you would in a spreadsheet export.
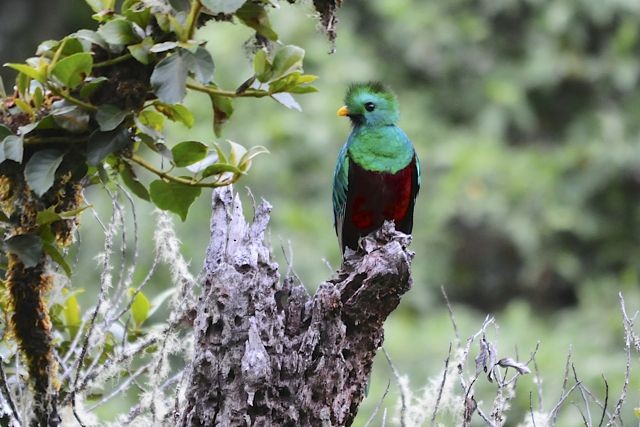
340	187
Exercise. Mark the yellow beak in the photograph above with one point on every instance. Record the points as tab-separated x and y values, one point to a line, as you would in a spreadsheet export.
343	111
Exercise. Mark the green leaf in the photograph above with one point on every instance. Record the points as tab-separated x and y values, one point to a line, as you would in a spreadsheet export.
47	48
287	60
236	153
140	51
245	161
50	215
100	5
57	257
118	31
38	97
70	117
47	122
287	100
136	11
92	37
72	44
91	85
4	131
23	83
176	113
152	119
71	312
24	107
109	117
139	307
27	247
222	158
36	74
219	168
222	6
174	197
254	15
72	70
222	111
302	90
169	78
41	168
101	144
201	165
131	181
13	148
163	47
149	126
262	66
47	216
201	65
188	152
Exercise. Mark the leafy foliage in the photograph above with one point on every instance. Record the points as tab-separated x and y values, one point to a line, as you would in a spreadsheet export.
91	109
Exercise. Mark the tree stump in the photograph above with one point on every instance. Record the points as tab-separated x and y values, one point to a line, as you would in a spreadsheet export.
269	354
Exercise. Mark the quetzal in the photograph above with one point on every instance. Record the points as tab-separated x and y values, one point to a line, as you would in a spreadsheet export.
377	177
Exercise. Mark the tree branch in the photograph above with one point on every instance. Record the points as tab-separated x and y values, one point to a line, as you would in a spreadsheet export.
266	353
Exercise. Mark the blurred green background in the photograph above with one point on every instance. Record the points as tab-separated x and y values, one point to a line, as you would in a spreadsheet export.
524	115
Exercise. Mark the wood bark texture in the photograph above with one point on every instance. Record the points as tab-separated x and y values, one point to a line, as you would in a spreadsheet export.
269	354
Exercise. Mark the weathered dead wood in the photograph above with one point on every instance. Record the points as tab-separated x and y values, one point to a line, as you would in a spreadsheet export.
269	354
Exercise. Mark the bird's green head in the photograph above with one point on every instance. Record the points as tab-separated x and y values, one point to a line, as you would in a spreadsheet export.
370	104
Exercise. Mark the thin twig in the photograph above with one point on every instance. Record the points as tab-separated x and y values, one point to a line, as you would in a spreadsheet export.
136	411
377	408
584	419
403	398
7	393
112	61
451	315
179	180
533	418
584	396
628	334
125	281
565	380
123	358
441	387
138	289
104	278
121	388
606	401
554	411
211	90
538	379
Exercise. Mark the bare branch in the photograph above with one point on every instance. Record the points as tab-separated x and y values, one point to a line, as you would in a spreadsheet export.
403	397
122	387
628	339
554	411
252	325
377	408
105	278
606	401
441	387
7	394
588	421
533	418
451	315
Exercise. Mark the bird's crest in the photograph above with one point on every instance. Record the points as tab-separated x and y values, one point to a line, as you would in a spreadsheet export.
373	87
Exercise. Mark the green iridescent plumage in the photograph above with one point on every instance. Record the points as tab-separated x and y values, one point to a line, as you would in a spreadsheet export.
385	162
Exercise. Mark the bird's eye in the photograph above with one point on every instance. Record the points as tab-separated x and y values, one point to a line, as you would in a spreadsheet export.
369	106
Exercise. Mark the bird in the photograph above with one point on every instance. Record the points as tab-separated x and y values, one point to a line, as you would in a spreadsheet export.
377	175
